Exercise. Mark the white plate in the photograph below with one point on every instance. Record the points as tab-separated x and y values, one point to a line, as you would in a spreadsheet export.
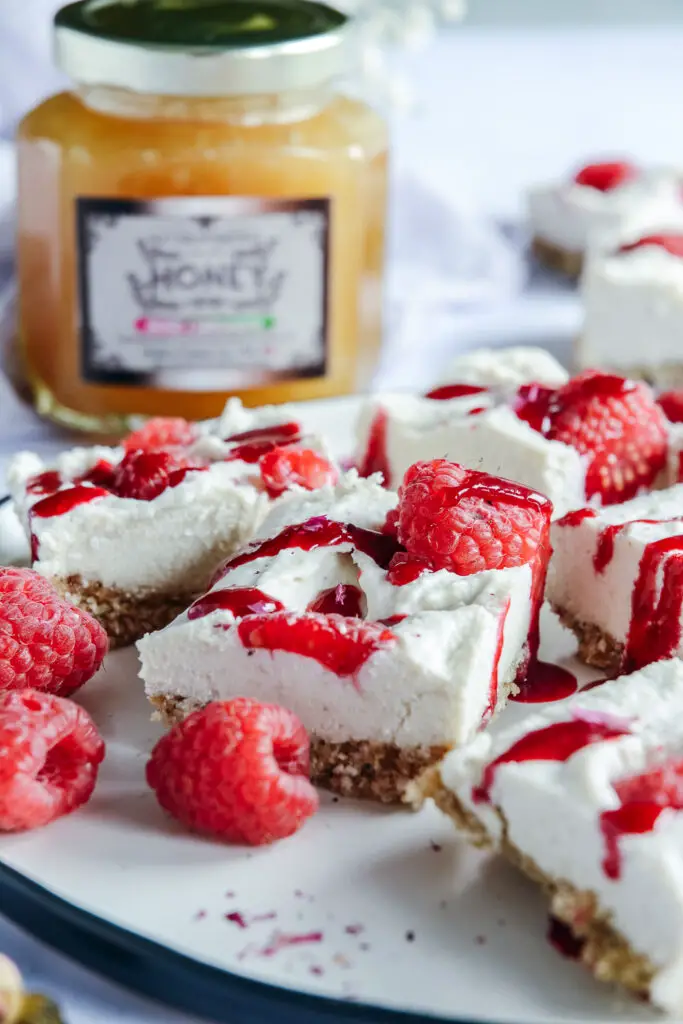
409	918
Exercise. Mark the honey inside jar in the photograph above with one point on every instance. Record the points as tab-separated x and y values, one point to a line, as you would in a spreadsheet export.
178	248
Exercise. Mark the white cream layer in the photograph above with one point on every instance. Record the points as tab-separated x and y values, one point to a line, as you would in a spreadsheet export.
570	216
604	598
506	368
553	809
431	686
495	441
633	311
170	544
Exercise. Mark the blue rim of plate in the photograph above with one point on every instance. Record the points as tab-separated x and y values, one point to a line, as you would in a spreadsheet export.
174	979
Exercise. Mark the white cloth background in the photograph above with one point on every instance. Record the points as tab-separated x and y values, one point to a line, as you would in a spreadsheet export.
499	109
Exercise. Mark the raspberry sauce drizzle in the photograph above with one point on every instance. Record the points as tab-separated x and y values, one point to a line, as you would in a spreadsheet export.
555	742
643	798
253	444
448	391
45	483
576	517
339	644
656	605
375	458
545	682
63	501
493	683
604	552
344	599
316	533
240	601
671	243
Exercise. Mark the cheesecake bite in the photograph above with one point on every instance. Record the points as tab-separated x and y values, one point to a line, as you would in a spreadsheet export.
616	580
586	797
132	534
566	216
632	292
389	656
598	438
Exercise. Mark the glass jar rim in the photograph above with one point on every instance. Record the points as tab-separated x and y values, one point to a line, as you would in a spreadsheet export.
202	47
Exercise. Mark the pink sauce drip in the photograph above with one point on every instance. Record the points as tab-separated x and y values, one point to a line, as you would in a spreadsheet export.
545	682
241	601
339	644
253	444
63	501
344	599
643	798
318	533
656	605
561	938
375	458
630	819
393	620
556	742
671	243
493	683
576	517
282	941
447	391
604	552
45	483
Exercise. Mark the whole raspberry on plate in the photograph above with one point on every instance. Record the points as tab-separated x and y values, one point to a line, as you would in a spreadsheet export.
161	432
50	752
672	404
147	474
283	468
237	770
45	643
465	521
616	423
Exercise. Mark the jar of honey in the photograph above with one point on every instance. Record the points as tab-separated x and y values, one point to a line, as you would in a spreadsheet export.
201	215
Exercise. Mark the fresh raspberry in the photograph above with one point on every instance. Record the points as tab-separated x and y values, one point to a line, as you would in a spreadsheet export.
161	432
673	244
466	521
672	404
339	644
606	176
283	468
45	643
146	475
237	770
390	525
617	424
50	752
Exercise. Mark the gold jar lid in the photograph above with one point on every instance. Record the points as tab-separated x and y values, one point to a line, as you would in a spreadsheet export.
202	47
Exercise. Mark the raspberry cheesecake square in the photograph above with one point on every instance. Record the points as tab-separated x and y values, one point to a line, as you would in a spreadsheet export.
586	798
616	580
567	216
632	294
598	438
392	632
132	534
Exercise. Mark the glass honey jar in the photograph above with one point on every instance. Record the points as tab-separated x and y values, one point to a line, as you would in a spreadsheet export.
201	215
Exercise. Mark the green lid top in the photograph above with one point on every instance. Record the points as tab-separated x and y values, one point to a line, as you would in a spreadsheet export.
215	24
201	47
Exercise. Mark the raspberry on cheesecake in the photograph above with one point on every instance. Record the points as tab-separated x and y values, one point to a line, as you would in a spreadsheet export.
132	534
389	640
598	438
